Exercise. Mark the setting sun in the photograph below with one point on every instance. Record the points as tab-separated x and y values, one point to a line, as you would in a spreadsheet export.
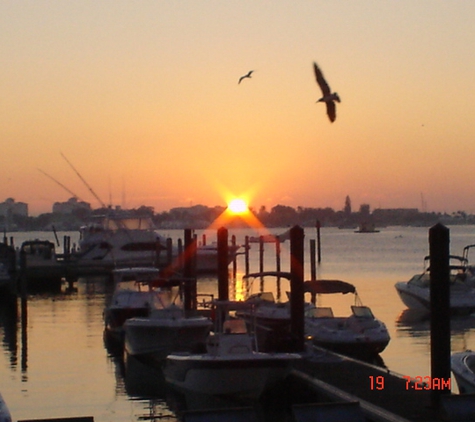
237	206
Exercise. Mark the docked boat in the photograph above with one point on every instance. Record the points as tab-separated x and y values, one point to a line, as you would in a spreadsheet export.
415	293
463	368
8	269
5	415
121	241
168	327
40	268
232	364
135	294
359	334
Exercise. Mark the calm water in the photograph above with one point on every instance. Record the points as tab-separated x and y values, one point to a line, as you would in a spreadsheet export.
56	364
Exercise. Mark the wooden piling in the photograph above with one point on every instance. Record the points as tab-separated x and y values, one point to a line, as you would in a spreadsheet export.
313	266
246	255
439	251
296	287
234	263
189	270
319	243
223	276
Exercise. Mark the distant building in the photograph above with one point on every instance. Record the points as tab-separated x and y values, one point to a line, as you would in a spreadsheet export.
10	208
70	206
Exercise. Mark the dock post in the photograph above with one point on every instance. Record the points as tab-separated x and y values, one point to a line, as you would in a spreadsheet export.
313	265
319	243
189	271
169	252
223	281
233	243
246	255
439	250
296	287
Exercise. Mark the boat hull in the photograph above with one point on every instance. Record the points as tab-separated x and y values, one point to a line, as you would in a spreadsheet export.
156	338
463	366
462	298
246	376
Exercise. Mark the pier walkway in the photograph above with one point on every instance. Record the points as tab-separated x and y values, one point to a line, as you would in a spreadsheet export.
383	395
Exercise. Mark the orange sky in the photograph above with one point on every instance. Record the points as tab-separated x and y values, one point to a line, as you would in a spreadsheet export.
142	97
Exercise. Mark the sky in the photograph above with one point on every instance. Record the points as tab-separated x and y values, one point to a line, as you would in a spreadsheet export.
142	98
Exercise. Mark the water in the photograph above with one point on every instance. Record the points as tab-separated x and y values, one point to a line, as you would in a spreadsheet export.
57	365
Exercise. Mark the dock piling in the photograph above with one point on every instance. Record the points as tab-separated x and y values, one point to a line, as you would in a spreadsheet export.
439	251
296	287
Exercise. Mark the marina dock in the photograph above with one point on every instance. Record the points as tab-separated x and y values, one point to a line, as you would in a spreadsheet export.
379	394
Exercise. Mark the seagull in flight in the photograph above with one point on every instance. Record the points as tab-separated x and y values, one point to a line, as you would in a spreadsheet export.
328	98
247	75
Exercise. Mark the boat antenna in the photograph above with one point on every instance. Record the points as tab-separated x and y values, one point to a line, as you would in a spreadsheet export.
82	179
60	184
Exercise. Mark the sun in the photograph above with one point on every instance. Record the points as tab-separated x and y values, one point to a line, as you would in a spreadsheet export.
238	206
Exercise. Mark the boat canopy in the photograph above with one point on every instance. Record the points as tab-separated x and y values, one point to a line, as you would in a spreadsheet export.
328	286
311	286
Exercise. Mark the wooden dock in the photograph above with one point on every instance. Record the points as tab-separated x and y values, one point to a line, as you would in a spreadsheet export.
383	395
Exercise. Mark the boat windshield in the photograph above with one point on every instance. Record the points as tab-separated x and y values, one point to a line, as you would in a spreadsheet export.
362	312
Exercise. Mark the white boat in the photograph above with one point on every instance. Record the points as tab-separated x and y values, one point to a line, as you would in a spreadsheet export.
415	293
5	415
463	368
232	364
168	328
359	334
120	241
136	292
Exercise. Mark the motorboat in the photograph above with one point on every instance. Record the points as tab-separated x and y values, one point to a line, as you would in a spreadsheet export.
359	334
122	241
415	293
232	365
5	415
270	238
39	267
168	327
463	368
135	294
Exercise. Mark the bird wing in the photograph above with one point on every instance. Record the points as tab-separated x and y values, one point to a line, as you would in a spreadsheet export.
331	110
321	80
240	79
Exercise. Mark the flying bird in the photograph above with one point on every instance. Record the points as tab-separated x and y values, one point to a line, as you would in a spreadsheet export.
248	75
328	98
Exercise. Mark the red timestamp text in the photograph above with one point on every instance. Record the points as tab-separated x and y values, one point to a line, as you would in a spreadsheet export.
412	383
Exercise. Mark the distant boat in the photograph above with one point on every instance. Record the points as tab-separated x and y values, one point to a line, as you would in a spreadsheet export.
367	228
271	238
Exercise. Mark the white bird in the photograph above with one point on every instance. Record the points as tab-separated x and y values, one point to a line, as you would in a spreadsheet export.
247	75
328	98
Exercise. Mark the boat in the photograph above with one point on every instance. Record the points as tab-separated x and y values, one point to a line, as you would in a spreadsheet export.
168	327
415	293
360	334
8	269
39	267
122	241
270	238
135	294
367	228
5	415
463	368
232	366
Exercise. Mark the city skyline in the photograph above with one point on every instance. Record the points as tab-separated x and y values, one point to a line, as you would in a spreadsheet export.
144	101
